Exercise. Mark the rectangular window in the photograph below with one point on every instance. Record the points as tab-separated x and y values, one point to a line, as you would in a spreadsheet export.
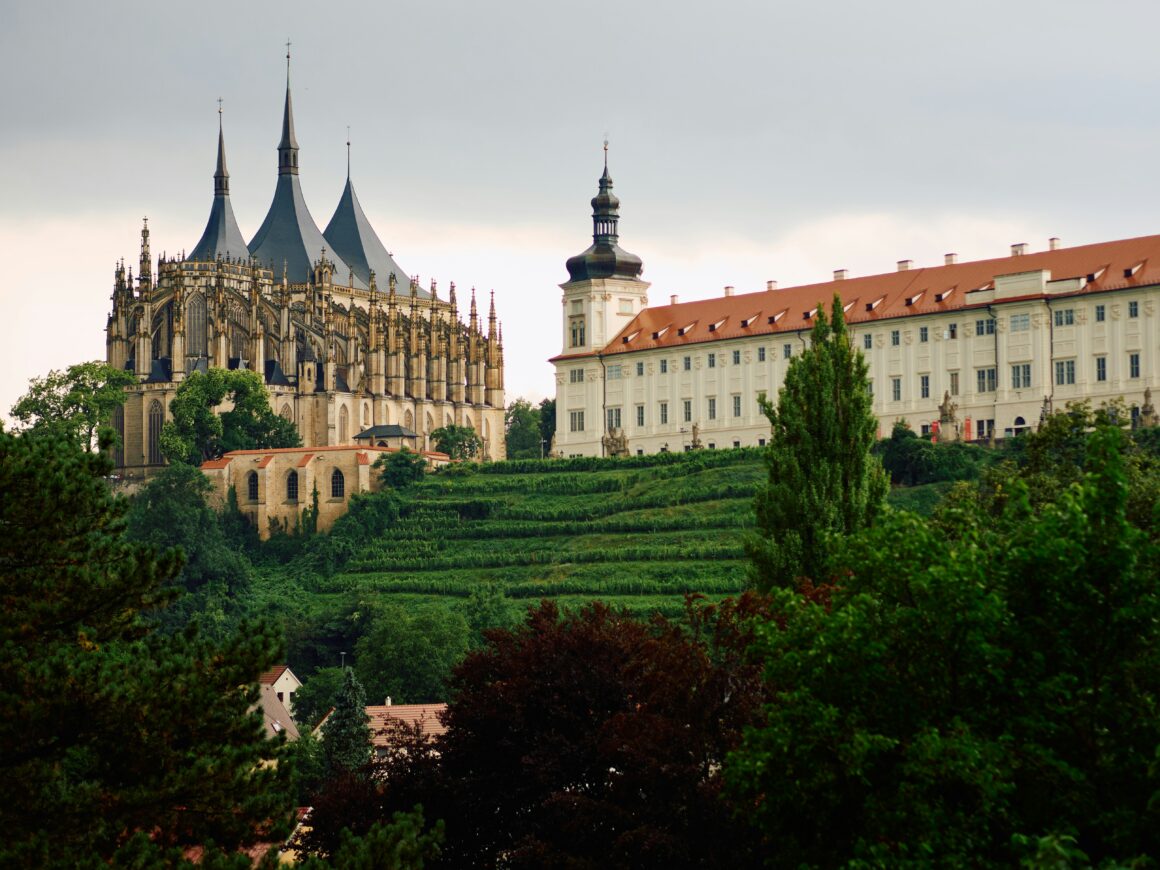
712	360
664	367
1133	309
687	409
985	380
1101	314
576	376
924	386
1065	317
787	350
640	415
736	406
687	363
867	342
664	413
576	421
896	389
761	354
1101	368
614	373
923	334
712	408
613	418
985	327
624	306
895	338
736	444
952	331
1020	322
639	369
736	357
1021	376
870	386
1064	371
954	383
1133	365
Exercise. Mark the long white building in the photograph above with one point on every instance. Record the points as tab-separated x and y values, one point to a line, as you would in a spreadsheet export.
1005	338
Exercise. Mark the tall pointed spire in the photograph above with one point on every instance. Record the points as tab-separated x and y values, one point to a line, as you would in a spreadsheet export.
222	235
221	178
288	147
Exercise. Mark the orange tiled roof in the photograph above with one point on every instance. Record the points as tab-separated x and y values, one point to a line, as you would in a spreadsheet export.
426	715
1100	267
266	460
271	676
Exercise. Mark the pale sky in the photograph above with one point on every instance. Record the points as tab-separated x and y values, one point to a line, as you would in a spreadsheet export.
749	141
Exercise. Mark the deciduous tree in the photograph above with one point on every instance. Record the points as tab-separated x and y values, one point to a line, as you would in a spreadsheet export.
458	442
75	403
822	478
522	430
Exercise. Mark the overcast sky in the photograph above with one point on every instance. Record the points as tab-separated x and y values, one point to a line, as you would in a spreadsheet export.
749	141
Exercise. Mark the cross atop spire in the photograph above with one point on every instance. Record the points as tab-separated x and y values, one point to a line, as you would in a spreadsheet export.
348	152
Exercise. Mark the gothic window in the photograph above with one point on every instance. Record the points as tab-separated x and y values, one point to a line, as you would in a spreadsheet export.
156	421
337	484
430	424
287	414
343	424
252	486
409	421
119	427
196	346
366	415
237	342
292	486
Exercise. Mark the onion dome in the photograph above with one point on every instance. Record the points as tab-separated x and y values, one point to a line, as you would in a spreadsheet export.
222	236
288	234
605	258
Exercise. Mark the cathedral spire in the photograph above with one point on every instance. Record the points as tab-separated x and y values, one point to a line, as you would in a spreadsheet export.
288	147
221	178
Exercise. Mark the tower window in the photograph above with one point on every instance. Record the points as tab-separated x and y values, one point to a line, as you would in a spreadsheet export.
156	421
578	336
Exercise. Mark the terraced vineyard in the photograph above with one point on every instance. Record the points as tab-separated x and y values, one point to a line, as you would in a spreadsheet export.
641	532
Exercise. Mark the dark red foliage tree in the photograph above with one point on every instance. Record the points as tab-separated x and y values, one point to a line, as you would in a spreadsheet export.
592	739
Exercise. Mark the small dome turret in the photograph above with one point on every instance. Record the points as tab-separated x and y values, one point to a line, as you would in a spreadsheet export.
605	258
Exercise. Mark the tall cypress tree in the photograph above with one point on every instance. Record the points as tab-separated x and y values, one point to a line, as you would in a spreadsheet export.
822	478
346	736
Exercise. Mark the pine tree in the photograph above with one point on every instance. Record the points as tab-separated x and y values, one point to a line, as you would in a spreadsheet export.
108	729
822	478
346	736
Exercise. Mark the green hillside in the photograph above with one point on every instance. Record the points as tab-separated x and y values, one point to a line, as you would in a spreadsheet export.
640	531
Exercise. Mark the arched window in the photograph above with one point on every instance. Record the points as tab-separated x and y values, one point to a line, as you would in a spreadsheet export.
119	427
430	424
337	484
292	486
252	486
366	415
343	424
287	414
197	326
409	421
156	421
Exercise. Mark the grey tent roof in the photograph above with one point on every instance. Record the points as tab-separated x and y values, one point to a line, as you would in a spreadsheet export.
388	431
352	237
222	236
289	235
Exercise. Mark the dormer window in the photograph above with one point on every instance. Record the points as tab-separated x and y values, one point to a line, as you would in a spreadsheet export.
660	333
910	300
870	306
941	297
684	330
774	318
751	319
713	327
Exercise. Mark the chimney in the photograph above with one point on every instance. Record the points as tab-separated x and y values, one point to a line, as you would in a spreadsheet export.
1019	249
388	700
950	259
1053	243
840	274
770	285
729	290
673	299
904	265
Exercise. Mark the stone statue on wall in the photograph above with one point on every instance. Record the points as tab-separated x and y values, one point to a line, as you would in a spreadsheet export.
696	445
615	442
1148	411
948	424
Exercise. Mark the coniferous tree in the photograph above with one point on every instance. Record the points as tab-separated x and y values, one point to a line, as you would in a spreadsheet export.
108	729
346	736
822	478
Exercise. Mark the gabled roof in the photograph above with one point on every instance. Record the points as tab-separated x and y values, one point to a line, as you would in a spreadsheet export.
390	430
426	716
270	677
1095	268
352	237
276	717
